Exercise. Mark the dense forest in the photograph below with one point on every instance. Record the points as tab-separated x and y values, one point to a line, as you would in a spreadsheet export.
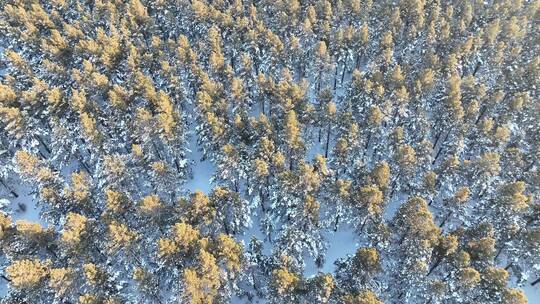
415	124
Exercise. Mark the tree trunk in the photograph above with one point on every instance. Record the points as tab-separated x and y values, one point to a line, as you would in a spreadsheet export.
343	72
319	82
327	142
43	144
436	139
177	165
445	219
9	188
482	112
226	226
336	222
499	251
85	166
442	148
290	162
262	201
437	263
476	68
364	224
367	143
393	186
335	77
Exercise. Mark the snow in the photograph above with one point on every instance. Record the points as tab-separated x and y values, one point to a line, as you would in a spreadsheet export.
317	148
202	170
26	199
340	244
255	231
533	293
394	204
238	300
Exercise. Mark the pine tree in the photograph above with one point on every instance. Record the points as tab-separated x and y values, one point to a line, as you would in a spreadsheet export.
27	274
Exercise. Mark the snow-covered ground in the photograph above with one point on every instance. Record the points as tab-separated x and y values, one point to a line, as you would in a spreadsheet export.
202	170
341	243
533	293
